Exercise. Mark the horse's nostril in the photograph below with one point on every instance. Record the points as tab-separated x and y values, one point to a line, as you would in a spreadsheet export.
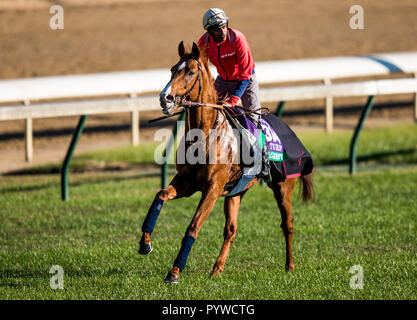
169	98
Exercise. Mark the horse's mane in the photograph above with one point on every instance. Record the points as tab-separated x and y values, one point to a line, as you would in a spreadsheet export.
205	61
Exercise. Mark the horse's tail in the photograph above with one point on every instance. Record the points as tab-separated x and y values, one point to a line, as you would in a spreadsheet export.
307	188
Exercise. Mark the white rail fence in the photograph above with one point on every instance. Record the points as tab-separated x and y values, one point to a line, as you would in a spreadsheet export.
132	83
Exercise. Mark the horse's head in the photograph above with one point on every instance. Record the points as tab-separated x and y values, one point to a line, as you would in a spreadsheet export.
185	76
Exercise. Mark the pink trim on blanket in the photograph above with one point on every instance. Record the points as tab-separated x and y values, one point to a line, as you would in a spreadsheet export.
295	175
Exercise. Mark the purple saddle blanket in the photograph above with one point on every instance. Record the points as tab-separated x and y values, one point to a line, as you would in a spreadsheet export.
287	155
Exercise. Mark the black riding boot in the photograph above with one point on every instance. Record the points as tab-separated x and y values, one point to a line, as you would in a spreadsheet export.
265	174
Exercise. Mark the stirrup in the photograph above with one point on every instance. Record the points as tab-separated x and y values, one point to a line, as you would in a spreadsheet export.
265	176
265	173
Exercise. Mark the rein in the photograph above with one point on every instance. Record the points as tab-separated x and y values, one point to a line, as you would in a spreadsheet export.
189	104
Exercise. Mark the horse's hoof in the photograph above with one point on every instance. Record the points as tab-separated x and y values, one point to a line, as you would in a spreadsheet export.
145	248
216	273
171	278
289	268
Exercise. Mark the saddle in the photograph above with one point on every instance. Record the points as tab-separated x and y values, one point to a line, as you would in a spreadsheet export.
241	122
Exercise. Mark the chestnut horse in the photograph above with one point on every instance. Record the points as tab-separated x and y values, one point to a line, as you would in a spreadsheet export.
191	80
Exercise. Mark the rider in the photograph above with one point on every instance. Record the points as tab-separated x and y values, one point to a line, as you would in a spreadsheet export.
228	50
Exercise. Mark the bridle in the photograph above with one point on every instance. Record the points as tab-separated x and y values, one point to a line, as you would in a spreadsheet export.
186	104
197	79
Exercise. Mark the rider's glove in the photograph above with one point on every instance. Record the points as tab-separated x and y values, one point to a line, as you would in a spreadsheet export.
233	100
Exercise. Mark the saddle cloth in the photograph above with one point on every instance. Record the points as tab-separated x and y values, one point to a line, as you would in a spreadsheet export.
287	155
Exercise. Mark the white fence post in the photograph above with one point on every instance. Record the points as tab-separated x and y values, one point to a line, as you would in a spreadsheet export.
135	124
329	109
415	101
28	136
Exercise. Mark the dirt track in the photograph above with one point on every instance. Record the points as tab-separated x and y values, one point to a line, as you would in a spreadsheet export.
145	35
123	35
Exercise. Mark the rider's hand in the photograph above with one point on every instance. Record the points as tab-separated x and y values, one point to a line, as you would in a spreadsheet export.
233	100
227	104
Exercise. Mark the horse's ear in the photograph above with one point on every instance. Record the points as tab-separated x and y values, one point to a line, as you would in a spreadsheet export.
181	49
196	51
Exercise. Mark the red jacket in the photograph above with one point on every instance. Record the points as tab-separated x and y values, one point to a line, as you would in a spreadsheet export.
232	57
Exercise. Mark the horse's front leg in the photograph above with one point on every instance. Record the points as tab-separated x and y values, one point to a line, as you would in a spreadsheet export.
207	202
145	244
175	190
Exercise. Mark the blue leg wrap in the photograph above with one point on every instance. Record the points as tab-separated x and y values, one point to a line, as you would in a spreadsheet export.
181	260
153	213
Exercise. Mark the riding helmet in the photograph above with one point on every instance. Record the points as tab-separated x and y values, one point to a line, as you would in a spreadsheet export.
214	17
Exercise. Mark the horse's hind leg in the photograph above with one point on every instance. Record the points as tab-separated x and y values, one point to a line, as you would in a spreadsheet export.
231	211
177	189
283	193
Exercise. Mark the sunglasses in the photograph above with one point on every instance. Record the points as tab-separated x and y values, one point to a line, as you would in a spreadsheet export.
216	27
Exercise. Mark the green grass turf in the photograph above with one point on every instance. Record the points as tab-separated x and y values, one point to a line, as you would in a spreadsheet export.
368	220
383	145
